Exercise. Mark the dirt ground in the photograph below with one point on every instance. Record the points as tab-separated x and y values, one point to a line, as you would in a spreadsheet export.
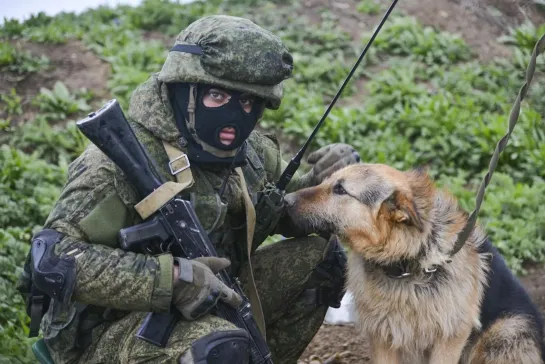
70	63
479	22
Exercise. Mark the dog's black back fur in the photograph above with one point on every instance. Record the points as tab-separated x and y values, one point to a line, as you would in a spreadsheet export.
505	295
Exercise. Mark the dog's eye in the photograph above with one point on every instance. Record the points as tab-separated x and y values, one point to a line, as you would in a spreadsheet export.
339	189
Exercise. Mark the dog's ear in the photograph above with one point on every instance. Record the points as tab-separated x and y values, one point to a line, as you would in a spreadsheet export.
402	209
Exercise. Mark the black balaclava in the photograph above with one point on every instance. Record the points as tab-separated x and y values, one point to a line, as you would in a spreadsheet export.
209	121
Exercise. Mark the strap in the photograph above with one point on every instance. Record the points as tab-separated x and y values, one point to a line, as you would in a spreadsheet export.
255	302
37	303
513	117
158	198
187	48
179	165
191	106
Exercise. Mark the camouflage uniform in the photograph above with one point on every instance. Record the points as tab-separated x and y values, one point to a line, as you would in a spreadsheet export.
115	289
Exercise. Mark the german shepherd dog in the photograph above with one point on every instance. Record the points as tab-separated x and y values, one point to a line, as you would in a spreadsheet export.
415	301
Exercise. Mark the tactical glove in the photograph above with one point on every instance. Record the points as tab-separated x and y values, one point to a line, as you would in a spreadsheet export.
329	159
197	288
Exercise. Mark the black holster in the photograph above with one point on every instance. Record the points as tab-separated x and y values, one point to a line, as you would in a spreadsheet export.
332	270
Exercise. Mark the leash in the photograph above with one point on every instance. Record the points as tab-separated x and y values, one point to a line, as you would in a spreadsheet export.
500	146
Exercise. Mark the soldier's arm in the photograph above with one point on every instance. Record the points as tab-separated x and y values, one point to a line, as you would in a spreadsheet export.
94	205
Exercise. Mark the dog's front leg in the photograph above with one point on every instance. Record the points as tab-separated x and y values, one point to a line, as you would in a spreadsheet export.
449	350
381	353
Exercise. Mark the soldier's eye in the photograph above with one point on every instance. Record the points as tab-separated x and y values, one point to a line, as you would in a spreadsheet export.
216	95
338	189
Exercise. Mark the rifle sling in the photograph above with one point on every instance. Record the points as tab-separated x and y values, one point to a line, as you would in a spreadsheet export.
179	167
179	164
253	296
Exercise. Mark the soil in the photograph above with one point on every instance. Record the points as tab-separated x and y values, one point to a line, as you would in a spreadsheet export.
70	63
335	344
479	22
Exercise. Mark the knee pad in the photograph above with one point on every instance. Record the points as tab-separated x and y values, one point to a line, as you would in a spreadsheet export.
231	346
330	270
48	276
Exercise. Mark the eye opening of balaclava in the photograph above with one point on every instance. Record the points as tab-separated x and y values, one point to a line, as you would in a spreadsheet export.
201	125
211	120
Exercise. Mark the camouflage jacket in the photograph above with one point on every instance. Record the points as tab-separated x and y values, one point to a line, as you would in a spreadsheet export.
97	201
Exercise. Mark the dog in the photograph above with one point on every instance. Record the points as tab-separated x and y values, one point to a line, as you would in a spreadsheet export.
415	301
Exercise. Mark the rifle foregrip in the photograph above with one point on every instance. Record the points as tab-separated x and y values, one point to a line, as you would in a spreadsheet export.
110	131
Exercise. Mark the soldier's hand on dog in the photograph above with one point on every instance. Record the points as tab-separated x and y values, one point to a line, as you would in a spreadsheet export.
331	158
197	289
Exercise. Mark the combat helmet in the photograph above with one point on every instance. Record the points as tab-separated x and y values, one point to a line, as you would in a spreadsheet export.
230	52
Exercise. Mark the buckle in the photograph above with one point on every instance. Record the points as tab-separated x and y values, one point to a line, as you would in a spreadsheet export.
433	269
181	169
400	276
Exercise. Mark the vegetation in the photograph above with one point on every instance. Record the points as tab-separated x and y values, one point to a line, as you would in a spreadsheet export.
15	60
425	100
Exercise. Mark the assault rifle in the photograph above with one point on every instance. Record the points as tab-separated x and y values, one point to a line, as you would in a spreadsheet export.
173	228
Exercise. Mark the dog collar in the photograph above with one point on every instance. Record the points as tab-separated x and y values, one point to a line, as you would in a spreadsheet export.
406	268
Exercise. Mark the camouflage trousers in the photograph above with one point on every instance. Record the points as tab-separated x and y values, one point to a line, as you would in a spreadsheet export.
282	273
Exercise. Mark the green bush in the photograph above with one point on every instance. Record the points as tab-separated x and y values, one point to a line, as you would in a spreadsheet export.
54	144
14	342
524	36
370	7
11	103
28	188
404	36
13	59
60	102
513	215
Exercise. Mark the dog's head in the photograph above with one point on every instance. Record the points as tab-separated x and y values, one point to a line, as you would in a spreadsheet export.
379	211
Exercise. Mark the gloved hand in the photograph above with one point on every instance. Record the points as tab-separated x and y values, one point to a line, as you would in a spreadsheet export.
197	288
331	158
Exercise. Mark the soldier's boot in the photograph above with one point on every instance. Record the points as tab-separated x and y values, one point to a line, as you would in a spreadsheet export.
218	348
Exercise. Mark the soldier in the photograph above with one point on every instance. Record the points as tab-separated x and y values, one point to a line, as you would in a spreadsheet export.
205	102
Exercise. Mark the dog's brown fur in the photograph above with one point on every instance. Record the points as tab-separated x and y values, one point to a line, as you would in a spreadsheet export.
385	216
